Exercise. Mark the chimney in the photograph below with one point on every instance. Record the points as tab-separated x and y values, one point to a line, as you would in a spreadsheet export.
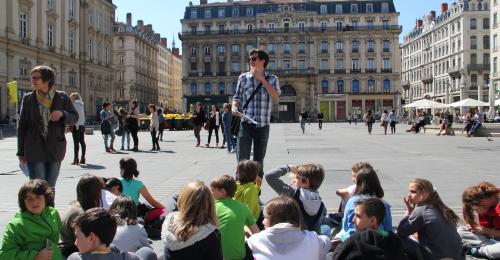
163	42
148	28
140	23
203	2
420	22
432	14
444	7
176	52
129	19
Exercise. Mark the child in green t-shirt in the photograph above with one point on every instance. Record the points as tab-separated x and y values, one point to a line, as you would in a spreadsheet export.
247	186
233	216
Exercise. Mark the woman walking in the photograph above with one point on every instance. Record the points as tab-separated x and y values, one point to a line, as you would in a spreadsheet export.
369	120
123	119
134	124
394	120
107	126
161	122
385	121
153	126
199	119
78	132
214	123
45	112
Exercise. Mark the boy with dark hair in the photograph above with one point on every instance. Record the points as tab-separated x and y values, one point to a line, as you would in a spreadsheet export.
233	216
306	180
94	232
369	241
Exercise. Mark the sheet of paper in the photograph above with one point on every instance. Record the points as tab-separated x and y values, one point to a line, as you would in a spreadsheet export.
248	118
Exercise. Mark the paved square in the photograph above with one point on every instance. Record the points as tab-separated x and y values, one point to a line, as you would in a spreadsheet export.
451	163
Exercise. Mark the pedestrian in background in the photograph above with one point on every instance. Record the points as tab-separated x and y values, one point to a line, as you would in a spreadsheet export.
369	120
161	122
107	126
227	119
123	119
134	123
44	115
214	123
199	119
394	120
78	130
153	127
320	120
384	119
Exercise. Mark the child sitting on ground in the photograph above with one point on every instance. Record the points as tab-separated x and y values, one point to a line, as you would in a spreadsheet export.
233	216
284	237
306	180
34	231
347	193
247	186
369	241
94	231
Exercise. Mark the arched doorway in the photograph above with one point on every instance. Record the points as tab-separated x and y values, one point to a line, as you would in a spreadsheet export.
286	109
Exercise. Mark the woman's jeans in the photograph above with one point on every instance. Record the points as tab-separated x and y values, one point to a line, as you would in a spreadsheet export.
126	136
48	171
197	129
79	140
106	136
216	134
370	126
229	139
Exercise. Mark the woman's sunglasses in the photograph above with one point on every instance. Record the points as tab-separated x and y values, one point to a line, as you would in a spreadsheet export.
252	59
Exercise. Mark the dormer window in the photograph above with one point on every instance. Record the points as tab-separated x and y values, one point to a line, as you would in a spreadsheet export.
354	8
323	9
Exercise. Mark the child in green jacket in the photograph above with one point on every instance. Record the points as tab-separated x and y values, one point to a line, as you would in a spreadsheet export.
248	185
34	231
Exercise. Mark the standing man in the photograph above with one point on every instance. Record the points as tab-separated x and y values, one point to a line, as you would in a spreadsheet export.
320	120
259	108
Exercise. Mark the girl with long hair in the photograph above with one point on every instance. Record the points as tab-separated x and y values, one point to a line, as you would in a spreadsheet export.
367	186
433	221
285	236
134	123
199	119
481	210
78	132
130	236
192	232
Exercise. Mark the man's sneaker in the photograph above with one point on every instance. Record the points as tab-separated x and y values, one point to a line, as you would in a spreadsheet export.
474	251
207	145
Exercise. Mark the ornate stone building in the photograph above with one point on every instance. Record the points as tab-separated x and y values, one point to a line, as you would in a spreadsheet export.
495	48
169	77
135	59
71	36
446	57
335	56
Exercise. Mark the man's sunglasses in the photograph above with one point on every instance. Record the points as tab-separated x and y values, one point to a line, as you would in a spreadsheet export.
252	59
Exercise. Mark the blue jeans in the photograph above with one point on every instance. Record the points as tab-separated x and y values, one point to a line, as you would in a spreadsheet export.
106	136
229	138
126	136
259	136
48	171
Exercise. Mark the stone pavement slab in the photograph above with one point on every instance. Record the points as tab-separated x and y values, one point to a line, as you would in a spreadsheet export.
452	163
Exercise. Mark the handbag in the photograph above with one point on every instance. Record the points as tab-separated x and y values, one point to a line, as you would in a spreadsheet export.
236	120
206	126
106	127
119	131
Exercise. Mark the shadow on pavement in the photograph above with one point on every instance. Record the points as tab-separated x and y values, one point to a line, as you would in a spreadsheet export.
92	166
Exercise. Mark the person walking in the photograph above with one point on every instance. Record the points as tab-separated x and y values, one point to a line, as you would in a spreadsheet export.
107	126
227	119
393	118
153	127
320	120
134	124
258	108
78	131
161	122
45	112
385	121
303	120
199	119
369	120
123	119
214	123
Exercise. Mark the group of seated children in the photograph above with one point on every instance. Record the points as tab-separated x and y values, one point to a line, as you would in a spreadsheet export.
224	220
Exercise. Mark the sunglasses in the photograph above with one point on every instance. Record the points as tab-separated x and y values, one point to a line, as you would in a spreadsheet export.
35	78
252	59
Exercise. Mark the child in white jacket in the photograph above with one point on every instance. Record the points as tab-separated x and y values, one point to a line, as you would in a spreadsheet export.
284	236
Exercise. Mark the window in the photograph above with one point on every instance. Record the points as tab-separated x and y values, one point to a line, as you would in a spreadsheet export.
99	17
339	46
387	64
208	13
222	88
473	42
324	46
208	88
302	47
371	85
339	26
106	54
385	24
286	48
234	86
51	4
495	20
302	64
194	29
473	58
71	42
271	48
235	66
270	27
249	11
473	24
495	42
340	64
221	49
249	47
324	64
354	8
387	86
371	64
486	42
272	64
486	23
249	28
323	26
286	64
194	50
338	8
222	29
301	26
324	86
495	60
354	24
194	88
386	46
323	9
89	49
370	24
50	35
235	48
90	22
194	14
23	25
369	8
355	86
385	7
222	12
340	86
355	46
355	66
486	80
236	12
370	46
71	8
208	28
208	50
121	59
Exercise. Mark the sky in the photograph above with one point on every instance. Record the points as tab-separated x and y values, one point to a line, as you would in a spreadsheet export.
165	15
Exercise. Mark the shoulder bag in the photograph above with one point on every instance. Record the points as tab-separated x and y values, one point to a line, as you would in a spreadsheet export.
236	120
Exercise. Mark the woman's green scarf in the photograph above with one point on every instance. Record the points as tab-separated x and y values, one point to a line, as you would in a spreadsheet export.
45	102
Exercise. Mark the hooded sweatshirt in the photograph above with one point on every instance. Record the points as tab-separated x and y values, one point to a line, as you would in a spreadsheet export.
203	244
370	244
284	241
309	200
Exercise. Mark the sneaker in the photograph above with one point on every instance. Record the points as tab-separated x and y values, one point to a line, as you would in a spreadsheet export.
474	251
197	145
122	149
207	145
222	147
233	151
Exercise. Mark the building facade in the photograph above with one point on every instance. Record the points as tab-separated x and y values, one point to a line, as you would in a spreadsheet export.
169	77
53	32
446	57
337	57
163	73
135	59
495	49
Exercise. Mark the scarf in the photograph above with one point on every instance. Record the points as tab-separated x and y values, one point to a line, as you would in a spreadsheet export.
45	102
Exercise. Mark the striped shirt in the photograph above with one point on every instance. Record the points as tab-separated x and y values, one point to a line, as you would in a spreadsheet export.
259	109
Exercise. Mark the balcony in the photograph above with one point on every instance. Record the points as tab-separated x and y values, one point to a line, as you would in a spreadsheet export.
387	70
478	67
454	72
356	71
207	74
302	52
371	50
355	50
386	50
427	79
324	50
193	74
221	73
324	71
24	40
340	50
371	71
291	72
235	73
339	71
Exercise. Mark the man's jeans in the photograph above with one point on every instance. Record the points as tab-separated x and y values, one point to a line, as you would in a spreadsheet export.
48	171
249	133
